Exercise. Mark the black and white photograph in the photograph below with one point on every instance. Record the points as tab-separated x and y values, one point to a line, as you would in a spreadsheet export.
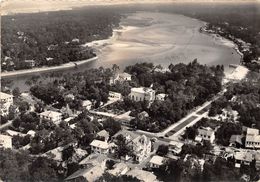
130	91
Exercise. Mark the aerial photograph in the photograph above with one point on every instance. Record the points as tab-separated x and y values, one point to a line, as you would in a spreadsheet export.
130	91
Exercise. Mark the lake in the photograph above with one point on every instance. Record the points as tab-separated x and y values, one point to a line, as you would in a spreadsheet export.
160	38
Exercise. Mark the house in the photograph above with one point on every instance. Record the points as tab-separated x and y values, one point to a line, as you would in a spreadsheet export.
119	169
115	95
90	174
243	158
206	133
140	144
103	134
142	94
87	104
6	100
31	133
142	175
257	160
175	147
160	97
156	161
5	141
53	116
252	138
120	77
30	63
99	147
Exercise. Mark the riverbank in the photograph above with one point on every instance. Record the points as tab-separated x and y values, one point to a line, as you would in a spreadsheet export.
46	69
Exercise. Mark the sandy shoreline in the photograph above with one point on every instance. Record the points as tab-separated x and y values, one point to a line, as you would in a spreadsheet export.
46	69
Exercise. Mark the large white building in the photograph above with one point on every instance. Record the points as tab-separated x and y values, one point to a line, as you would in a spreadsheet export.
207	134
141	94
5	141
6	100
53	116
252	138
120	77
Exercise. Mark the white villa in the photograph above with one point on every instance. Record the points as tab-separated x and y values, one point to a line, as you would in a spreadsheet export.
120	77
175	147
5	141
115	95
6	100
207	134
142	93
252	138
53	116
99	147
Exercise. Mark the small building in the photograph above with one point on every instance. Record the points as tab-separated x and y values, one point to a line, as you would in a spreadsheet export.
143	115
5	141
30	63
87	104
207	134
156	161
31	133
99	147
115	95
160	97
175	147
142	94
53	116
252	138
103	134
6	100
243	158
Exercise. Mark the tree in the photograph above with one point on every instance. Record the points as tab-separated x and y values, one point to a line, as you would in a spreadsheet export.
3	120
111	126
123	149
162	150
67	153
16	92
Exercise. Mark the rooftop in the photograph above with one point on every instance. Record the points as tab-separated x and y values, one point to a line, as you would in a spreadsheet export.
99	144
141	89
206	131
103	133
252	131
51	114
158	160
244	156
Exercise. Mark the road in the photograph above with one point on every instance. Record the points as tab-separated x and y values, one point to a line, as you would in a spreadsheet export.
4	126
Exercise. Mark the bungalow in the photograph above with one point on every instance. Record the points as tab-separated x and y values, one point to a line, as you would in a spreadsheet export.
157	161
207	134
99	147
142	94
5	141
53	116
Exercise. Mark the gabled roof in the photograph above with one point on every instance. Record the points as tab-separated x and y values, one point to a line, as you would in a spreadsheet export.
141	89
142	175
103	133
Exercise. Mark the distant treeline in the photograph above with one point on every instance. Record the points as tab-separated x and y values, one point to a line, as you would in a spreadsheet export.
53	38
